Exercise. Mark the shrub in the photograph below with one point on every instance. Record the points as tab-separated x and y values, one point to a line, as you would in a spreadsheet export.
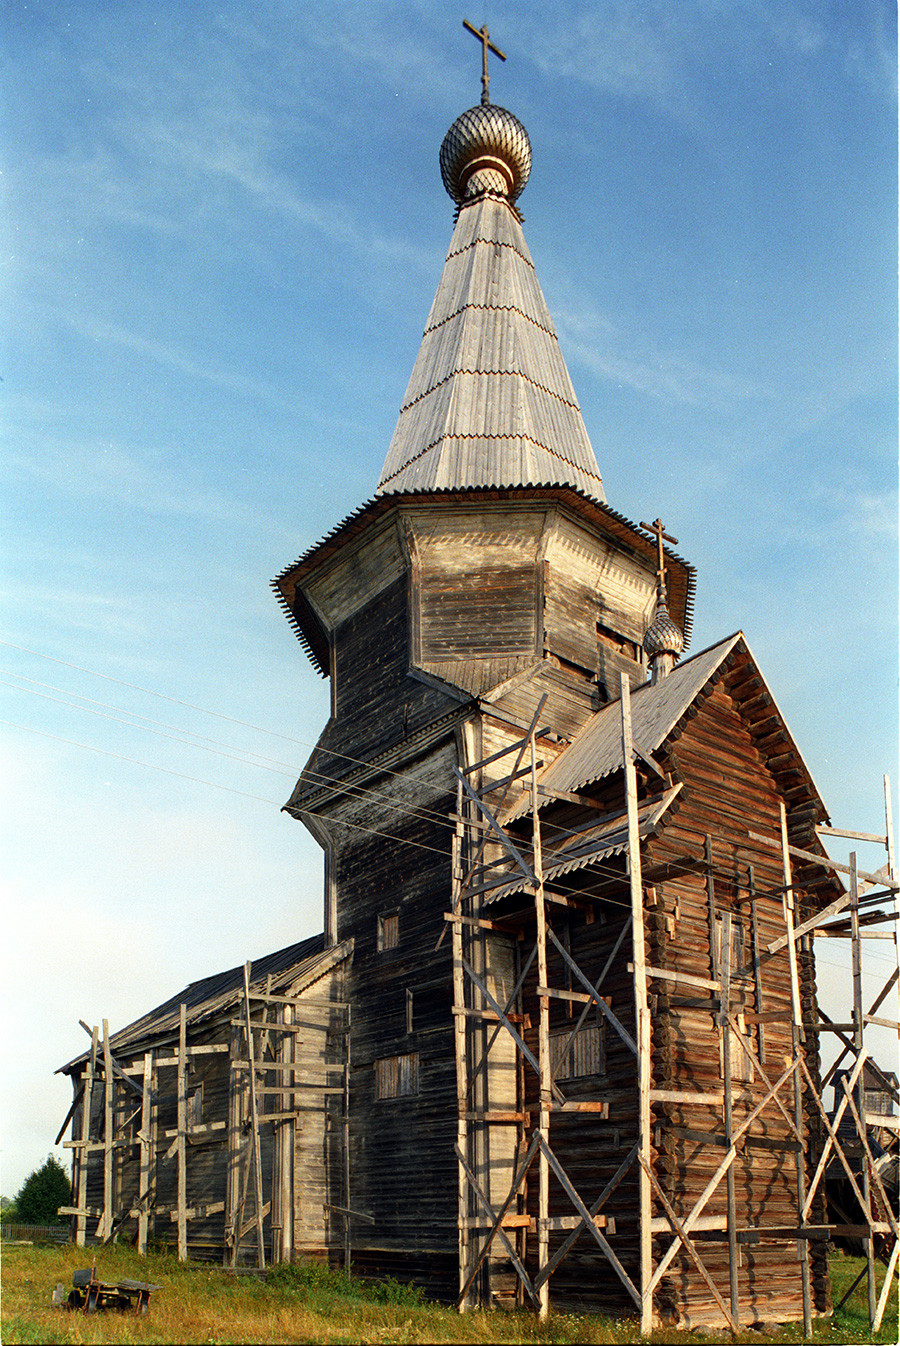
42	1193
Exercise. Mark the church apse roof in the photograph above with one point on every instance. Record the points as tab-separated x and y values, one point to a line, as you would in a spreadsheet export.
490	402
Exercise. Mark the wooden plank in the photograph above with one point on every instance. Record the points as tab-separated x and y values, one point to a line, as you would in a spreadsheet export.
104	1228
826	863
796	1039
725	1025
147	1148
714	1098
254	1128
547	1087
480	923
595	1105
180	1151
459	1050
672	974
81	1172
581	997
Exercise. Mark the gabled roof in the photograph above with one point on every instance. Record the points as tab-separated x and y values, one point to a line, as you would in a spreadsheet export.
490	401
298	967
657	710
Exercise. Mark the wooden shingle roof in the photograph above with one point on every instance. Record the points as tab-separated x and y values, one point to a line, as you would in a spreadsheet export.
490	402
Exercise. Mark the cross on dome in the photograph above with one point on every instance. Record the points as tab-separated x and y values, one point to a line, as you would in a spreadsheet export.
656	527
663	640
486	45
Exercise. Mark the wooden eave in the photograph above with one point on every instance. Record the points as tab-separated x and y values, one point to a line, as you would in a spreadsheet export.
629	537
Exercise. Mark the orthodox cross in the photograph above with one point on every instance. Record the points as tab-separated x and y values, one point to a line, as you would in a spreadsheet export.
656	527
484	38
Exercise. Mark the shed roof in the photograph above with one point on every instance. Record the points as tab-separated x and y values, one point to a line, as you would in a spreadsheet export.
490	401
656	711
298	966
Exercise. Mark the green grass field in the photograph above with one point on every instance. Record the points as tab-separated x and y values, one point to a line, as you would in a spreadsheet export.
203	1304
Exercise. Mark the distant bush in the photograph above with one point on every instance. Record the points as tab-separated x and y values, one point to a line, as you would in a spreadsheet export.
42	1193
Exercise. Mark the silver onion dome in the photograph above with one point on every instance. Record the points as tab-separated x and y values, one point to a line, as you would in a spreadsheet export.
662	635
486	150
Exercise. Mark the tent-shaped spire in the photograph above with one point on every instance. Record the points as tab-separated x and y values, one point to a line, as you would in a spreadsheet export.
490	402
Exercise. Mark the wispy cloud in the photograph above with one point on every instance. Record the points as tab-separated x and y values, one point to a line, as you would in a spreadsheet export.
594	341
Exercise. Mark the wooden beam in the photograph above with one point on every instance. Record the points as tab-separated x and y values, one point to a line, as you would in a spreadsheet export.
641	1013
254	1124
180	1151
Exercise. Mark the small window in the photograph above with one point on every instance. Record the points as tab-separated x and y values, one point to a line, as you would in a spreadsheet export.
397	1076
741	1071
195	1107
388	931
879	1102
738	952
583	1055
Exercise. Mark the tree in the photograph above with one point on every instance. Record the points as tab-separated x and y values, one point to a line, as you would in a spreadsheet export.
43	1192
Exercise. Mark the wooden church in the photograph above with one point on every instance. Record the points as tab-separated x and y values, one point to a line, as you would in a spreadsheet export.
554	1044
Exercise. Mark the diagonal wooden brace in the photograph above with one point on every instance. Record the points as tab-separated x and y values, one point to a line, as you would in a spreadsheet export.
585	1214
727	1161
593	1209
497	1228
679	1230
510	1197
601	1004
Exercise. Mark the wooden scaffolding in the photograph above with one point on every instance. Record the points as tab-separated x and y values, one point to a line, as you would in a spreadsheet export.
249	1184
507	1156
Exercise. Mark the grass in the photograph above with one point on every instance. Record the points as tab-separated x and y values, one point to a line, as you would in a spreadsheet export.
199	1303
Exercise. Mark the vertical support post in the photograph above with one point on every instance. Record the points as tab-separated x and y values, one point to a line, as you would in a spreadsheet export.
757	972
724	1010
889	828
180	1138
543	1049
345	1135
233	1177
711	904
859	1090
254	1123
146	1153
796	1030
106	1220
81	1162
282	1182
459	1042
641	1010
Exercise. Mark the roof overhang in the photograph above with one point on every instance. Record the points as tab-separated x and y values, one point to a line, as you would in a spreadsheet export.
621	532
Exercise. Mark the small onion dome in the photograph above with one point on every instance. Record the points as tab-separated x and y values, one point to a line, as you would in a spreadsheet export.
486	150
663	636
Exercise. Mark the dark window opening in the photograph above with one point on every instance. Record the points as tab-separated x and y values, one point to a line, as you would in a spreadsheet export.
388	931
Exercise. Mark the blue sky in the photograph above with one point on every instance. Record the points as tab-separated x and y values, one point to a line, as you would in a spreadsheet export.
223	231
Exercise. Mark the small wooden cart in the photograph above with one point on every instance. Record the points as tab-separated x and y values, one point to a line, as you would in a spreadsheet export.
90	1295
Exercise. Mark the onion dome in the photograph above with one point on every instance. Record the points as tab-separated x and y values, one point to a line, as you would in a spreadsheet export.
663	636
486	150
